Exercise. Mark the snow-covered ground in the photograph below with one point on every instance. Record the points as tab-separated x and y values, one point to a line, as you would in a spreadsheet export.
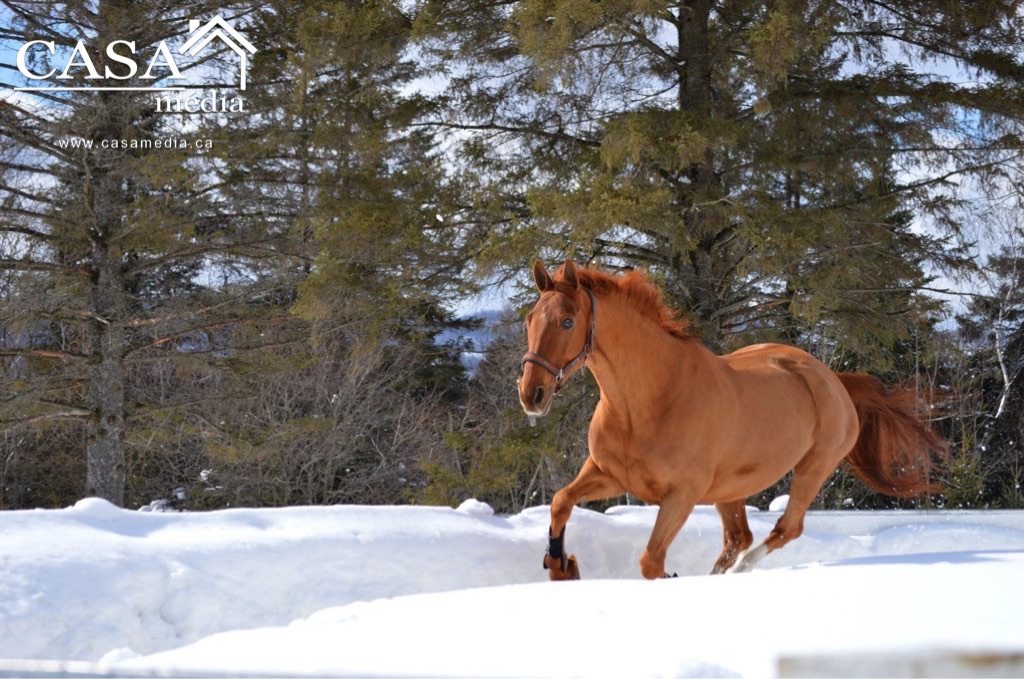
425	591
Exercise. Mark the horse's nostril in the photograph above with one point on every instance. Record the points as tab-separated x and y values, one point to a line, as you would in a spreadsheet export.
538	396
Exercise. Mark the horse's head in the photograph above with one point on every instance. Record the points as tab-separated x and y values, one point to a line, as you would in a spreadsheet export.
559	335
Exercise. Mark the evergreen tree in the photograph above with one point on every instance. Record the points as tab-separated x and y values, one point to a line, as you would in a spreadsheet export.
771	163
142	278
360	387
150	293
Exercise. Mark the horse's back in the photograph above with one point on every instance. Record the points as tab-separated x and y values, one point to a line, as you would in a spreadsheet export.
767	361
781	378
761	353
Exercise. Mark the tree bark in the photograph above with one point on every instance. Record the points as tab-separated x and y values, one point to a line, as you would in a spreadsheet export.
107	195
105	434
695	53
700	268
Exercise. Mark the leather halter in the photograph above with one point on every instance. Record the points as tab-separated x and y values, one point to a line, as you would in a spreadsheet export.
569	369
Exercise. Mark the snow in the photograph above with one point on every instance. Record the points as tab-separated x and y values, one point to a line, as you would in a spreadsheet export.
415	591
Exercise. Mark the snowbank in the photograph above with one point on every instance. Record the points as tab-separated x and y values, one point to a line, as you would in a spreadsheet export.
425	590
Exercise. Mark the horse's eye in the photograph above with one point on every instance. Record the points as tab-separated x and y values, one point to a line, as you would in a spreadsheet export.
567	324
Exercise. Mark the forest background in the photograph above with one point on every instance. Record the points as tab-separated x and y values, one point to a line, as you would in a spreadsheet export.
318	298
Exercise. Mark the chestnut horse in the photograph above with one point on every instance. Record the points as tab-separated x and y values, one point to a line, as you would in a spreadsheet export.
677	425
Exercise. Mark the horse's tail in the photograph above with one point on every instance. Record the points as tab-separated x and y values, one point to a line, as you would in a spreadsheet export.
896	451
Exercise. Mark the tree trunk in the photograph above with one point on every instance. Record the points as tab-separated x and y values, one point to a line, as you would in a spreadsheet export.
703	261
695	54
107	196
105	434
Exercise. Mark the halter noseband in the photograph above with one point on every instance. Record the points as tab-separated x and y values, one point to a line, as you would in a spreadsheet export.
569	369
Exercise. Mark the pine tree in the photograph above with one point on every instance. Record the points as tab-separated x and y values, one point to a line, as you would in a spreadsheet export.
784	168
272	308
128	269
369	362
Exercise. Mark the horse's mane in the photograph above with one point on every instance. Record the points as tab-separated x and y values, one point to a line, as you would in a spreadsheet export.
643	295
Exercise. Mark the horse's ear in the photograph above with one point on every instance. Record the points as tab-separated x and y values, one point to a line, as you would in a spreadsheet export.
541	277
569	273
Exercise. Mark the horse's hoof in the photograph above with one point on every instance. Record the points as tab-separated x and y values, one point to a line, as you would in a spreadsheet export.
556	572
669	575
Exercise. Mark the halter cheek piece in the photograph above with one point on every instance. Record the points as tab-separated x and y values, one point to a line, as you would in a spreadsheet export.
569	369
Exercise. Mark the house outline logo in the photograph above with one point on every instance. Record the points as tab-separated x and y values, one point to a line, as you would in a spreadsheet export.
201	36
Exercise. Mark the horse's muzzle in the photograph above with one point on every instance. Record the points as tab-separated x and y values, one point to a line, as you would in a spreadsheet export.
534	395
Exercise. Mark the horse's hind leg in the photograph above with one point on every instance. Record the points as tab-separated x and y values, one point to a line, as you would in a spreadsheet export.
808	477
590	484
736	535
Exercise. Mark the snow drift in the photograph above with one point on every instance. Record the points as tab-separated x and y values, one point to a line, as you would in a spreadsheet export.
435	591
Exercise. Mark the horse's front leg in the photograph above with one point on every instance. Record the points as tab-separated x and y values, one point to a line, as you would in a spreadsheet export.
590	484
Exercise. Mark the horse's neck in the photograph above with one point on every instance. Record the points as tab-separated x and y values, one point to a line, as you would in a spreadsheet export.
637	364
